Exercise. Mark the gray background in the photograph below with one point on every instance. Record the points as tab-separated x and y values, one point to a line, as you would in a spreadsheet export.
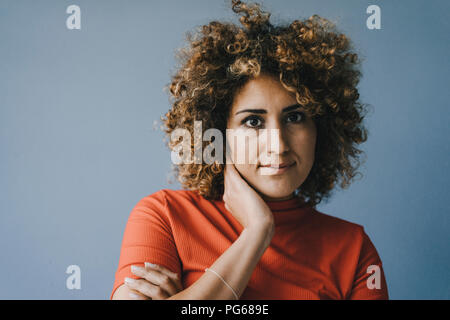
78	148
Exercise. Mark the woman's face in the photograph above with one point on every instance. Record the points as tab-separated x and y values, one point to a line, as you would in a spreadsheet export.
284	156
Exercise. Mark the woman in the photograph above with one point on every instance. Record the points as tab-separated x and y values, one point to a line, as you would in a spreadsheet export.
249	229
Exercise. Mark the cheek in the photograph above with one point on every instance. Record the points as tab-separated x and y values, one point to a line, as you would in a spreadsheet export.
246	159
304	145
243	148
248	173
253	148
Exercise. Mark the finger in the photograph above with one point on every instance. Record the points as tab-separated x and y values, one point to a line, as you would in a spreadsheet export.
233	180
136	295
228	158
146	288
157	278
230	175
235	175
158	267
174	277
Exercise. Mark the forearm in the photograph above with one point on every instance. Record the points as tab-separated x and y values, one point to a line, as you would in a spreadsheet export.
235	265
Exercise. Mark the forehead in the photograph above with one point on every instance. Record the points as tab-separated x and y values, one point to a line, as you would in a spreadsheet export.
263	92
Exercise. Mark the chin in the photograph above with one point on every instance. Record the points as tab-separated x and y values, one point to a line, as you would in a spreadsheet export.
277	186
277	195
276	191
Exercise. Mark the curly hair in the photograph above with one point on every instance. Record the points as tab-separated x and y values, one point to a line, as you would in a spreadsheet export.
311	59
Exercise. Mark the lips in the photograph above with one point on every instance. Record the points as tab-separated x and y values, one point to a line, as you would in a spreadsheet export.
276	169
278	166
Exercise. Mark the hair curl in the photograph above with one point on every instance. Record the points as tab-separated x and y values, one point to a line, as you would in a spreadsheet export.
310	58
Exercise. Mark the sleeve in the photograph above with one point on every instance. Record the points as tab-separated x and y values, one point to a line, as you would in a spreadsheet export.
147	238
369	281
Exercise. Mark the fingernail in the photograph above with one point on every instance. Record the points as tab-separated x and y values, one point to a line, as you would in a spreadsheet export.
129	280
134	295
135	268
148	264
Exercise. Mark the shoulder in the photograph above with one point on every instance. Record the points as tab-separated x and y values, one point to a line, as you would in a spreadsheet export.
345	238
181	194
337	227
168	201
164	196
329	219
162	207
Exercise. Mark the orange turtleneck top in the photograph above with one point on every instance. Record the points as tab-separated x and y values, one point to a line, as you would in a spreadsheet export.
312	255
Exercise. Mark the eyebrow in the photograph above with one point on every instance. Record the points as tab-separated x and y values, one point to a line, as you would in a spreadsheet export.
262	111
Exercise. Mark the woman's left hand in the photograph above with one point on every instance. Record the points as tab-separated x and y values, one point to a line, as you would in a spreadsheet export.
155	283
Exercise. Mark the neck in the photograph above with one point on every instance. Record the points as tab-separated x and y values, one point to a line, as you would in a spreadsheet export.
266	198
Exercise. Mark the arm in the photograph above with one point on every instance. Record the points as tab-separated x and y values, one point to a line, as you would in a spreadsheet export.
147	238
369	257
235	265
122	293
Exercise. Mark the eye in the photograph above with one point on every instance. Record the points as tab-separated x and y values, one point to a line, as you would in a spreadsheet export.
295	117
252	122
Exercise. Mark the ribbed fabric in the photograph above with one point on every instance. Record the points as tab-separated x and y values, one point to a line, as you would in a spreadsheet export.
312	255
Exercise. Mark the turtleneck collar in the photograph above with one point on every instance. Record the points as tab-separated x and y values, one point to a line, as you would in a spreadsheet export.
285	212
288	211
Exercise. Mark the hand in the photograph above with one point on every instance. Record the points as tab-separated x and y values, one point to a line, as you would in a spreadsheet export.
155	283
244	202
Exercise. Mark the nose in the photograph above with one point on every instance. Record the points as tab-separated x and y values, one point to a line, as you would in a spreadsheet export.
277	142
